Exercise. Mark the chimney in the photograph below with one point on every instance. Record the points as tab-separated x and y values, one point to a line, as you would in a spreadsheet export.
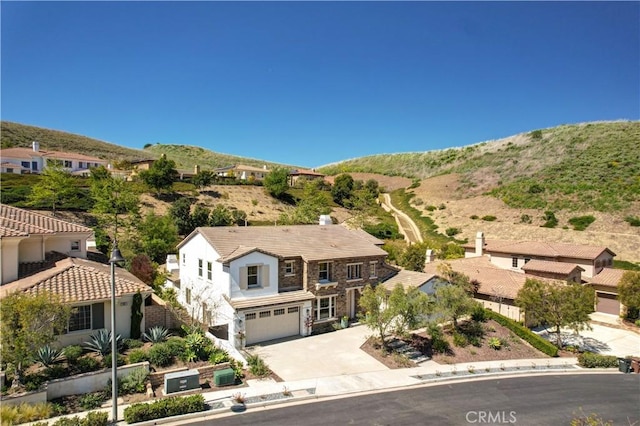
196	169
430	257
325	219
36	146
479	243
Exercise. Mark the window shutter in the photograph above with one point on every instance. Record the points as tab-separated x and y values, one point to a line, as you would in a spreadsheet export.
243	278
265	275
97	316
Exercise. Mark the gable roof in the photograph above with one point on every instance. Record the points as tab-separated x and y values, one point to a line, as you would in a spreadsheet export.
29	152
536	265
493	280
311	242
408	279
16	222
78	280
543	249
608	277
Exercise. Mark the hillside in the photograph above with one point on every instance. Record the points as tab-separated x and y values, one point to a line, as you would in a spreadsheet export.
573	167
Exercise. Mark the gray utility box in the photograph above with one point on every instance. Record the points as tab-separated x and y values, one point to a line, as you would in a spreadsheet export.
181	381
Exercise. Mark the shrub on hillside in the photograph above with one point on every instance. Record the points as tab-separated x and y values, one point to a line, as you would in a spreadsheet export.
550	220
452	231
632	220
489	218
580	223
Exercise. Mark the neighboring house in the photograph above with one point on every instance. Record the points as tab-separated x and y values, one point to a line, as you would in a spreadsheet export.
86	286
513	255
35	160
27	237
242	172
606	286
297	174
263	283
39	252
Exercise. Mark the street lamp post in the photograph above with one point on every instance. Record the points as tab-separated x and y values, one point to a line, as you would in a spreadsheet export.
116	257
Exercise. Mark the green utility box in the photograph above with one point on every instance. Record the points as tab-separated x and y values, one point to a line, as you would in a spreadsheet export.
224	377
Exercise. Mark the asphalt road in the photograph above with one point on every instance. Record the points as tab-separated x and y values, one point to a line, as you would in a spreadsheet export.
535	400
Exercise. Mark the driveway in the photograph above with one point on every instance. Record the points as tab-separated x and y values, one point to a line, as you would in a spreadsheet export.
601	339
323	355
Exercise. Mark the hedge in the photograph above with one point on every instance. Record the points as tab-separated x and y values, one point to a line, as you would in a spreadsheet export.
593	360
167	407
540	343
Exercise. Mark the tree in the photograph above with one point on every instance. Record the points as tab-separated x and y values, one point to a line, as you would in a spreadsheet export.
180	211
276	181
457	278
411	307
27	323
413	257
453	302
203	179
312	204
342	189
199	217
556	305
143	268
161	174
158	236
220	216
113	198
629	290
55	188
378	313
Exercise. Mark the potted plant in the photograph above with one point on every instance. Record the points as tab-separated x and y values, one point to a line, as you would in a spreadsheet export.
344	321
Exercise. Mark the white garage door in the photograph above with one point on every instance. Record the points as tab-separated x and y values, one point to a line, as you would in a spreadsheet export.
608	304
273	323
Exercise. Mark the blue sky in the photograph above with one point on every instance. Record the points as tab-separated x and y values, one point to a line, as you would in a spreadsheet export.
310	83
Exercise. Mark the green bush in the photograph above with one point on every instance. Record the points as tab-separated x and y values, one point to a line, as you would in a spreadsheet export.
257	366
593	360
580	223
137	355
72	353
460	340
134	382
132	343
166	407
160	355
87	363
218	356
431	208
106	362
495	343
452	231
479	314
473	217
93	418
176	345
90	401
533	339
632	220
489	218
550	220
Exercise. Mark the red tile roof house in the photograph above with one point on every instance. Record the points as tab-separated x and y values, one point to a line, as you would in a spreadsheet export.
34	160
269	282
41	253
556	261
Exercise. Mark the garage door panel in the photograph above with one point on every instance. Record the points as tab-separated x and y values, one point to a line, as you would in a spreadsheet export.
608	304
269	324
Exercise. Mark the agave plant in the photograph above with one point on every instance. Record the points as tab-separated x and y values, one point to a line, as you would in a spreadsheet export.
101	342
156	334
47	356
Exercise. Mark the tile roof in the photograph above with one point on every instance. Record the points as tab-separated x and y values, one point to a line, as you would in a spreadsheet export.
78	280
276	299
407	279
536	265
493	280
540	248
608	277
311	242
29	152
15	222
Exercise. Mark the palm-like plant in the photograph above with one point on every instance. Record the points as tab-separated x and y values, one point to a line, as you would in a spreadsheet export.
48	356
156	334
101	342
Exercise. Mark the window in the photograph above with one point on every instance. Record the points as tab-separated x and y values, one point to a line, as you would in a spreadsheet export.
67	163
265	314
187	295
354	271
25	164
209	270
325	307
250	316
34	166
81	164
9	170
323	274
288	267
252	277
293	310
372	269
80	318
514	262
277	312
75	245
200	267
184	258
526	260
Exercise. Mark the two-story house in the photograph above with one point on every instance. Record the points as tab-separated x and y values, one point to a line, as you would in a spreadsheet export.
35	160
264	283
43	253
